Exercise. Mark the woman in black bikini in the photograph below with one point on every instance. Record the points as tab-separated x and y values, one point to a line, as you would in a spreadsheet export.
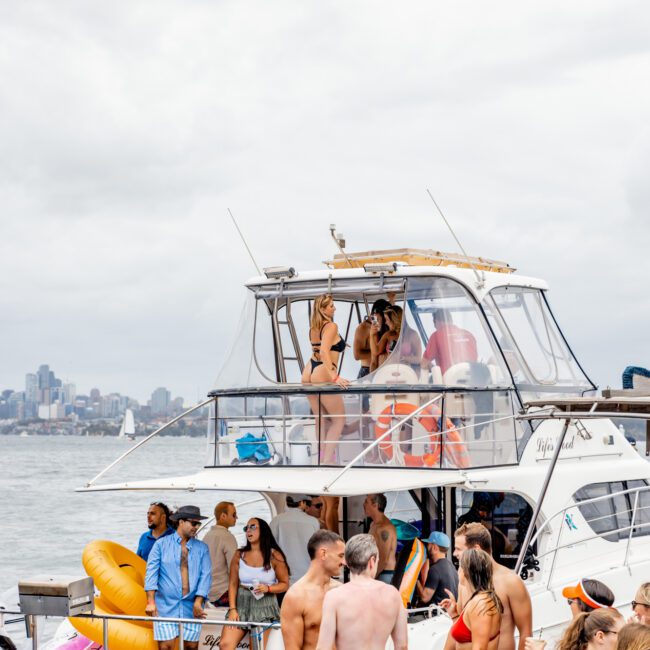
327	346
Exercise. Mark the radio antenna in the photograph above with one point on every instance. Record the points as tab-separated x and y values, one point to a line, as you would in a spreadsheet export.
480	281
244	242
339	240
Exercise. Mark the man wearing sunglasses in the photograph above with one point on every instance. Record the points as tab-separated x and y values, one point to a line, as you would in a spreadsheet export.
158	525
179	575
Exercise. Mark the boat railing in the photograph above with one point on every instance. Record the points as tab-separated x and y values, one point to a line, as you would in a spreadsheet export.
617	518
255	629
377	425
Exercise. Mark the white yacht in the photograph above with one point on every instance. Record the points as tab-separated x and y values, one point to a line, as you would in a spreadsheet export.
506	414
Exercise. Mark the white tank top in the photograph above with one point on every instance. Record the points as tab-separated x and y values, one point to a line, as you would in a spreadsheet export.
249	575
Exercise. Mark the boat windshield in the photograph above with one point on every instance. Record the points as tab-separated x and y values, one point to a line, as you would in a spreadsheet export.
433	332
537	354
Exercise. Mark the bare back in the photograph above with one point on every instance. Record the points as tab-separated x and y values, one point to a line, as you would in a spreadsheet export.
362	615
386	537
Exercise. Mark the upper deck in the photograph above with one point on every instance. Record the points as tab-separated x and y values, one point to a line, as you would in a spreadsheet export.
476	340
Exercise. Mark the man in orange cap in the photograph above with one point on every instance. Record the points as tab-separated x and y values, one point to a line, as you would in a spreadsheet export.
588	595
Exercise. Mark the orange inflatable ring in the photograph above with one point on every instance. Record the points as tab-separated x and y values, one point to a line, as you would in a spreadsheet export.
429	418
119	575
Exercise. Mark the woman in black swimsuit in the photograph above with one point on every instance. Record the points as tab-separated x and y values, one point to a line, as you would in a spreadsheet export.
327	346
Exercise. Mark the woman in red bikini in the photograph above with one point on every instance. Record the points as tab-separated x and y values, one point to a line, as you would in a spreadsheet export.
478	625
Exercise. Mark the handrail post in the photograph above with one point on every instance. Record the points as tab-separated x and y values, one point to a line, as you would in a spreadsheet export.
557	547
181	640
105	641
542	494
632	522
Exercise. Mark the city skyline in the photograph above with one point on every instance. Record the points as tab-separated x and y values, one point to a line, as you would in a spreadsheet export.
44	396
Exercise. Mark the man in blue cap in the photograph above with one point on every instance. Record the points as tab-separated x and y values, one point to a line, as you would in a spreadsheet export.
442	574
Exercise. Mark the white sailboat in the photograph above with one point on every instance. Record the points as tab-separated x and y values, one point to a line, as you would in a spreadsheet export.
127	430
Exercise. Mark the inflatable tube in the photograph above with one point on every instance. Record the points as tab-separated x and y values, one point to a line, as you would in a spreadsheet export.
119	575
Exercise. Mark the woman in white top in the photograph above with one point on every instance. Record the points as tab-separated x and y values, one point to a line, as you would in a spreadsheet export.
258	572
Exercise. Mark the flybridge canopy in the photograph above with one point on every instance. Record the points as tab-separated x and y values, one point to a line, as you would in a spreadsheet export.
416	257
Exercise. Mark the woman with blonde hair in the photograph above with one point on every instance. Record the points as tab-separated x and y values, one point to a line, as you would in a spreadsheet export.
327	345
634	636
479	623
595	630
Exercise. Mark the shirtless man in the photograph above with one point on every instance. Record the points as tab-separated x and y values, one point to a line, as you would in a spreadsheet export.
361	349
302	607
517	609
363	613
385	536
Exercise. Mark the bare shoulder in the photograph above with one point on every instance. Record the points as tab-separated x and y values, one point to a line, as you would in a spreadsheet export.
294	598
333	584
276	556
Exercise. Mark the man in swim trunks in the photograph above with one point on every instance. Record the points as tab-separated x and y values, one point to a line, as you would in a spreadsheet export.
179	574
385	536
302	607
363	613
517	608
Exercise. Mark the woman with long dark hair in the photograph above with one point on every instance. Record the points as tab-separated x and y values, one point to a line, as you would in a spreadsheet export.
258	571
593	630
478	625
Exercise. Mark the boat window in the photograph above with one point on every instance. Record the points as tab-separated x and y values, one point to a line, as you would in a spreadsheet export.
532	344
505	514
446	334
611	516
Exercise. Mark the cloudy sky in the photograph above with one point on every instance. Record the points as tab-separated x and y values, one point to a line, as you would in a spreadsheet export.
128	129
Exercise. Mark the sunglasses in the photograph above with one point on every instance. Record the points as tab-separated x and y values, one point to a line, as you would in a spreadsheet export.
317	505
570	601
250	527
636	602
196	524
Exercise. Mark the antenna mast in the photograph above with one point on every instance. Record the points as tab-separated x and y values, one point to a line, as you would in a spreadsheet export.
339	240
481	281
244	241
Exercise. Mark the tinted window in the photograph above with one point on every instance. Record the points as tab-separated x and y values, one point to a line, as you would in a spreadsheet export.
611	517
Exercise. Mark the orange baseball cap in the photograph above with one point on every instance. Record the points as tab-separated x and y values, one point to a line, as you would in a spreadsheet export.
579	591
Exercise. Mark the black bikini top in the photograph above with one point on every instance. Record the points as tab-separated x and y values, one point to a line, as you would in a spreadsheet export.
339	346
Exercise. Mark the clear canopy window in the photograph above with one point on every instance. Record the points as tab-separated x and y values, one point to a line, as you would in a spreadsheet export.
532	343
438	334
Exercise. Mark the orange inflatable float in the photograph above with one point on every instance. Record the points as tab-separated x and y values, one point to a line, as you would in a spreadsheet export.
119	575
455	453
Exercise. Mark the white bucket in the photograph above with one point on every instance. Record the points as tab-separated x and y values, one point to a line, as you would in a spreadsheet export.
300	453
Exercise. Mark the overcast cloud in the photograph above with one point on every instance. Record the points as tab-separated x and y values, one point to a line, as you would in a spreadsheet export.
128	129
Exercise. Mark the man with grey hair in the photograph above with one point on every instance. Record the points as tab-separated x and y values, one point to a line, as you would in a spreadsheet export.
364	612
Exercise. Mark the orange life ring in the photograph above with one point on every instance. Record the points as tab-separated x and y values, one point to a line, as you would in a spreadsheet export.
429	418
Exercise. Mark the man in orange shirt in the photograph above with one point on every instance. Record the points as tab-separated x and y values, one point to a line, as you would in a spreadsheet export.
449	344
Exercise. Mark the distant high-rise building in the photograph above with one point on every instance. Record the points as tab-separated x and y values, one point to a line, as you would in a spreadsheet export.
95	395
31	387
69	393
44	376
160	399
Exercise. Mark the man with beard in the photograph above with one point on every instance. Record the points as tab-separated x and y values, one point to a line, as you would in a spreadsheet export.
158	524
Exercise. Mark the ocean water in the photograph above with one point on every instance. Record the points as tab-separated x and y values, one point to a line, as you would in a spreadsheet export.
46	524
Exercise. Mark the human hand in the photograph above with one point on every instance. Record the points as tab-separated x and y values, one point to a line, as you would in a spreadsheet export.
261	589
342	382
449	604
151	609
198	611
233	615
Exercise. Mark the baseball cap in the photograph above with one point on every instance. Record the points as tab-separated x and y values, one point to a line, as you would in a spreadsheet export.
439	539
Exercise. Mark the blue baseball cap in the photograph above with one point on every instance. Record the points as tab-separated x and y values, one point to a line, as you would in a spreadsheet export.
439	539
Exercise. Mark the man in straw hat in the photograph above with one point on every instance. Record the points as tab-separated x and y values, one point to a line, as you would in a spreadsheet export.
179	574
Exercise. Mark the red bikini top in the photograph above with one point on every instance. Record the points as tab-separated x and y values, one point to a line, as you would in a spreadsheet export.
459	630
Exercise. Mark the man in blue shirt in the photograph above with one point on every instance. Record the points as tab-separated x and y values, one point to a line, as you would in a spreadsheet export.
158	523
179	574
